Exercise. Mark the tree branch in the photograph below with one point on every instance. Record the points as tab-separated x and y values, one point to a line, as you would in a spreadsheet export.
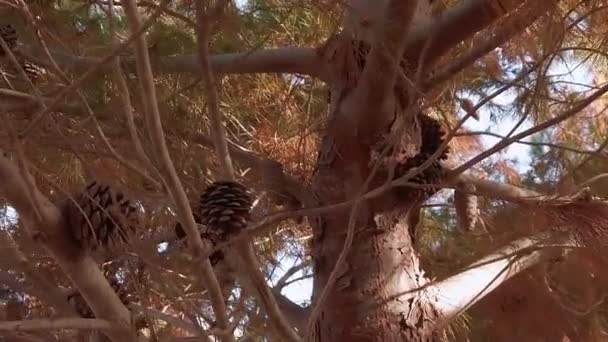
498	190
57	324
282	187
461	291
11	100
176	190
512	25
454	26
576	108
213	107
375	91
290	60
256	280
296	60
297	315
49	222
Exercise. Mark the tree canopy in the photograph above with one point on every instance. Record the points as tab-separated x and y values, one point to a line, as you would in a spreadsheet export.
130	93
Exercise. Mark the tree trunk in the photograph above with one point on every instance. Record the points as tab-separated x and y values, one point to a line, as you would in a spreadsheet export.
373	294
381	263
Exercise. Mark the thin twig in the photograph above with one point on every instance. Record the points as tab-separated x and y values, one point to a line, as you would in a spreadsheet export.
244	246
148	92
542	126
126	103
215	116
94	68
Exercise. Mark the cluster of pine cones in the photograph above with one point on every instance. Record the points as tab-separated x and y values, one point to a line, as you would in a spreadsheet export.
102	217
10	37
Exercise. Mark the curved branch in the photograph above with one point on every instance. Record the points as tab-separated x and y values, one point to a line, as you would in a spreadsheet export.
375	88
47	222
56	324
459	292
296	60
285	189
454	26
175	188
512	25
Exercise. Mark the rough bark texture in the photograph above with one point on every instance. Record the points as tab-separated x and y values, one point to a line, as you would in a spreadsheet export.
381	262
374	297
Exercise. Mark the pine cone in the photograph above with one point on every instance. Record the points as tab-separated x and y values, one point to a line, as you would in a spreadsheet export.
225	208
224	211
9	34
432	137
103	217
465	204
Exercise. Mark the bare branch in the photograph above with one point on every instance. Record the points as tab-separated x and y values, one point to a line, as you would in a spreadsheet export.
257	283
51	230
579	106
56	324
215	116
11	100
376	86
293	60
290	60
512	25
498	190
282	187
176	190
461	291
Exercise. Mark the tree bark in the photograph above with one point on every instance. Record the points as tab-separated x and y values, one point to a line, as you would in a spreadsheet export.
380	293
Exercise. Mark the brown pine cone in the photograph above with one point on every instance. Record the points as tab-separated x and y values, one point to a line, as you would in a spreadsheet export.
103	217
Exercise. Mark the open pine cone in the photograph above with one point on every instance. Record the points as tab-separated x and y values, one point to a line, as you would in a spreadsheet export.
223	210
9	34
103	217
432	137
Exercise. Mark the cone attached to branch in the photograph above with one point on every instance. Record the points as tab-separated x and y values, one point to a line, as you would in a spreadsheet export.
102	217
432	137
223	210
